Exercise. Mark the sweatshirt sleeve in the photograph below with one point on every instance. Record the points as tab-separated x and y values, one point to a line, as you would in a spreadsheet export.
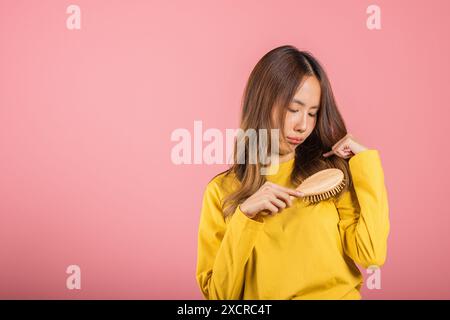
364	212
224	246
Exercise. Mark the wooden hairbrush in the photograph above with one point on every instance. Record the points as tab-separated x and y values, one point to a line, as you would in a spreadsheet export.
322	185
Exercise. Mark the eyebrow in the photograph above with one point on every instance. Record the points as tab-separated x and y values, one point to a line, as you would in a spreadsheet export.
301	103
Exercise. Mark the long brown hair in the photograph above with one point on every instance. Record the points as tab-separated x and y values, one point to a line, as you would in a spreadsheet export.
272	84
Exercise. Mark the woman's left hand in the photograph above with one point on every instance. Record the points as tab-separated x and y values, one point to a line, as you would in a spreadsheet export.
346	148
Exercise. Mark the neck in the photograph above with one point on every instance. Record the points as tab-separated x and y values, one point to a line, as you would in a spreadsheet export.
287	157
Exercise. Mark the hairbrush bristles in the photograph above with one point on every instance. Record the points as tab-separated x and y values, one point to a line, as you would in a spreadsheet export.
315	198
322	185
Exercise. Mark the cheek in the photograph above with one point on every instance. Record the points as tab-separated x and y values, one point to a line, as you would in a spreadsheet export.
311	124
289	121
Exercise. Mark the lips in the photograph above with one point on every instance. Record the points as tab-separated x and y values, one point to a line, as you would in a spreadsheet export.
294	140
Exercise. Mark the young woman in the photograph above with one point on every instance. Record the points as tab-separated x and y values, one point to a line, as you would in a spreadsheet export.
257	239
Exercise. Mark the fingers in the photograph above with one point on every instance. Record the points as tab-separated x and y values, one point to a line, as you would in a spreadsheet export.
338	144
283	193
270	208
342	147
283	196
272	203
334	150
329	153
340	153
292	192
346	153
279	204
277	197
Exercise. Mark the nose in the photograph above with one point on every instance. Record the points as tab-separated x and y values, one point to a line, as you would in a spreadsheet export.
301	124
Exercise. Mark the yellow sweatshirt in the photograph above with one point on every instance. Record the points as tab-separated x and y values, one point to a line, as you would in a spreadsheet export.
302	252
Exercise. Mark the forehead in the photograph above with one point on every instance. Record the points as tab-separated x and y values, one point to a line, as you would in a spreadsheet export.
309	92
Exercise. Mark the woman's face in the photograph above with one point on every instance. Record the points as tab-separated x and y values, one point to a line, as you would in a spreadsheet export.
301	115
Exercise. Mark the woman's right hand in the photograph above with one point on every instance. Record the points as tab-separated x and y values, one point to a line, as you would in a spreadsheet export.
271	198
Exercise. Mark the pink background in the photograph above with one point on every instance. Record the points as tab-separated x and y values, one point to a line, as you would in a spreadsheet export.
86	116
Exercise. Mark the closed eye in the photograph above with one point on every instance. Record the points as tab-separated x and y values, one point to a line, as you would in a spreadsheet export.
295	111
